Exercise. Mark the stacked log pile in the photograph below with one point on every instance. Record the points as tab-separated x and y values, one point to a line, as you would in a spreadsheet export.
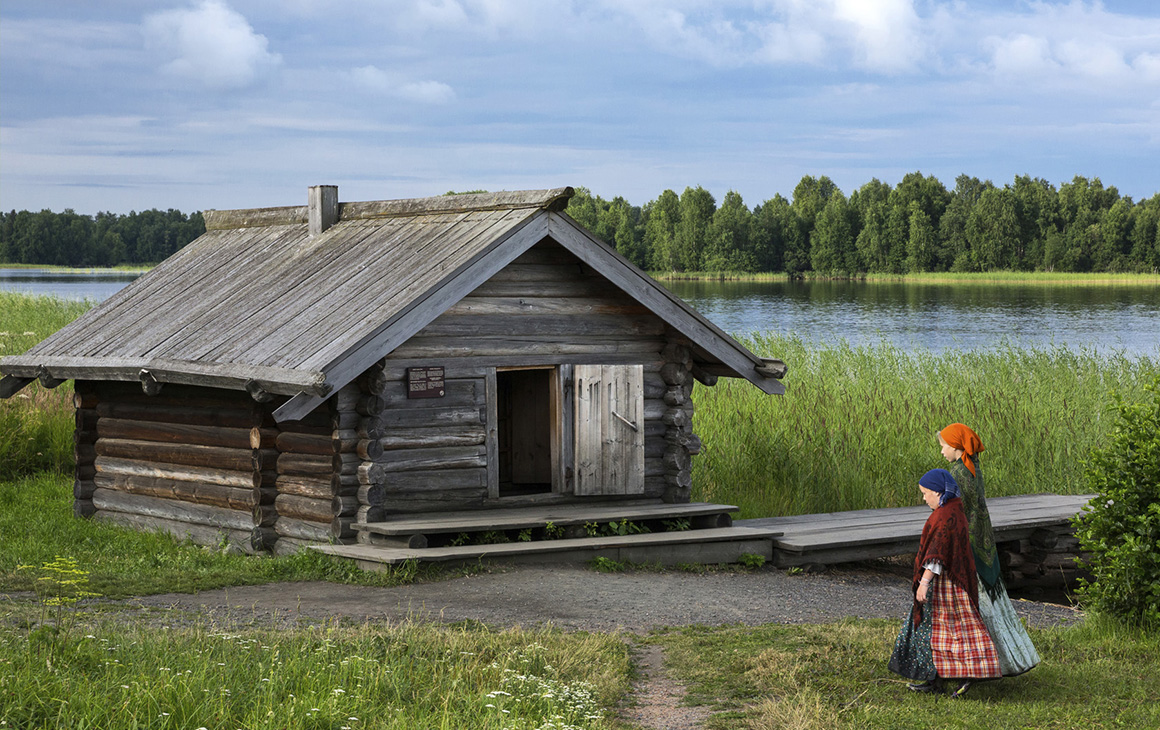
179	461
316	475
1046	559
681	444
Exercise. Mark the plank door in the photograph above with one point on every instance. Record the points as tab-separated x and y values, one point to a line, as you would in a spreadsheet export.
609	429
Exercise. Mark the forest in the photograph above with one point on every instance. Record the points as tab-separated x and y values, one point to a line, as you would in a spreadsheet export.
915	226
106	239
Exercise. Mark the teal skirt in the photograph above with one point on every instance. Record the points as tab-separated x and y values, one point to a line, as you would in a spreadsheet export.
912	657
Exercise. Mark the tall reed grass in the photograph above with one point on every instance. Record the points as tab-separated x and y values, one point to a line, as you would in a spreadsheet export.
400	677
36	424
856	427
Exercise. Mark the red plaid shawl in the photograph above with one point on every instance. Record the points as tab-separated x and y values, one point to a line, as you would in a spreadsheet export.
946	538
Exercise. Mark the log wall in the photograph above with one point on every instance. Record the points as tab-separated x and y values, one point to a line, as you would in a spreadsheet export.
544	309
181	461
316	474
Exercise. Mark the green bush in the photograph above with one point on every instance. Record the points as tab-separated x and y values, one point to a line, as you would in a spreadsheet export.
1120	527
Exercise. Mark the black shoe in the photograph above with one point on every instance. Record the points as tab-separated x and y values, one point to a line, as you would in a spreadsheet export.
928	687
960	689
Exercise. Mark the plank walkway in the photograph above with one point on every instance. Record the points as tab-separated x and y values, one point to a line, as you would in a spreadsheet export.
827	538
559	515
839	537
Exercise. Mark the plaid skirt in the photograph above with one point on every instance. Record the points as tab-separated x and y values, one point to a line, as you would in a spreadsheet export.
950	641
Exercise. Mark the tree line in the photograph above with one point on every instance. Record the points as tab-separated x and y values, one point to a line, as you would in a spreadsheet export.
106	239
917	225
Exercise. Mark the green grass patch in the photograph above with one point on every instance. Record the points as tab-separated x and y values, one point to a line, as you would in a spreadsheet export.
36	425
856	427
37	523
112	675
1097	674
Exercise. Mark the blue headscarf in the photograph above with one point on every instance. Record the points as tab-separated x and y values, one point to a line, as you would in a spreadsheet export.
941	481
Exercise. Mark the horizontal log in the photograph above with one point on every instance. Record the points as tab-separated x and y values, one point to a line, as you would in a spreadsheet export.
301	443
404	418
85	472
451	501
82	400
457	393
369	513
342	529
344	506
592	348
307	487
183	454
217	495
544	306
302	530
175	433
304	508
307	464
83	508
427	438
250	541
450	457
130	467
434	480
263	438
83	489
189	415
170	509
545	327
86	420
369	449
84	453
290	545
371	495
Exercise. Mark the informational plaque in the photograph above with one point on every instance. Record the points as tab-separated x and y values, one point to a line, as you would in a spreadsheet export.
425	382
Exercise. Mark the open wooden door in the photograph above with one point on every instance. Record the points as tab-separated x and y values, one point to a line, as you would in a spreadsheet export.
609	429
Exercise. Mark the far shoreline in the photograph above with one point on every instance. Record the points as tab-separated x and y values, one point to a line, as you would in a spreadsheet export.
934	277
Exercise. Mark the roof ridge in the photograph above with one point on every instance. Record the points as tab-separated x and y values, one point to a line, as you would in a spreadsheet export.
552	199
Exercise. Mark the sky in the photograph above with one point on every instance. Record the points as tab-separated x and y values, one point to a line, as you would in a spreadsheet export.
122	105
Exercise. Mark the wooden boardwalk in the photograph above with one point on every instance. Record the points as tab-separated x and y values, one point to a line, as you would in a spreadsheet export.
840	537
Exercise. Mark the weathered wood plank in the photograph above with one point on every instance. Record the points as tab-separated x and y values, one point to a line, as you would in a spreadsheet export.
183	454
130	467
172	509
217	495
253	540
525	517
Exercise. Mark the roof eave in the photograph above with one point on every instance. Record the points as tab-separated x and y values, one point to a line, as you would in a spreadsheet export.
20	370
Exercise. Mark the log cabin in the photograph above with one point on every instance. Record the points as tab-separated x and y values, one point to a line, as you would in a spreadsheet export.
298	373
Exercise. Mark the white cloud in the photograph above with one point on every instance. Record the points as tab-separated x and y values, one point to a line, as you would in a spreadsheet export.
1022	55
211	44
377	81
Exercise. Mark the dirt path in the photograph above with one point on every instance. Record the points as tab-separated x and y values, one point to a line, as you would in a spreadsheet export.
576	598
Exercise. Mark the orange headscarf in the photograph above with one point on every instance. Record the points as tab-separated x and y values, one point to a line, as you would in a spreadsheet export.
959	436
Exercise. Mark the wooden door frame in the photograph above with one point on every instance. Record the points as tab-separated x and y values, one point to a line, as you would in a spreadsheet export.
560	409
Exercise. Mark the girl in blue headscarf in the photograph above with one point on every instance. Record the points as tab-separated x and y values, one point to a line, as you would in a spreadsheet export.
944	638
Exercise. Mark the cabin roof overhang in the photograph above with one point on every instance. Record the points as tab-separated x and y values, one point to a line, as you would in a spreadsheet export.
488	231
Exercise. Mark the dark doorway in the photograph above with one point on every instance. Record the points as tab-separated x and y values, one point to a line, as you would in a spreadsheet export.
523	408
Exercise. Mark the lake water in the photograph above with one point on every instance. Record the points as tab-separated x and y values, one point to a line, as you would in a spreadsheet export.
932	316
937	316
96	285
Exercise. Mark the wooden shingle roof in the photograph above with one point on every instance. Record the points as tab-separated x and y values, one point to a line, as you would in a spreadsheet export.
258	303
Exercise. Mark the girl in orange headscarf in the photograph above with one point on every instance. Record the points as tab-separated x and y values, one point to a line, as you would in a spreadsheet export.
961	447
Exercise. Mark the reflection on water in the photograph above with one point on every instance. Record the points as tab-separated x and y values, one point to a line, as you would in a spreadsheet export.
937	316
95	285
